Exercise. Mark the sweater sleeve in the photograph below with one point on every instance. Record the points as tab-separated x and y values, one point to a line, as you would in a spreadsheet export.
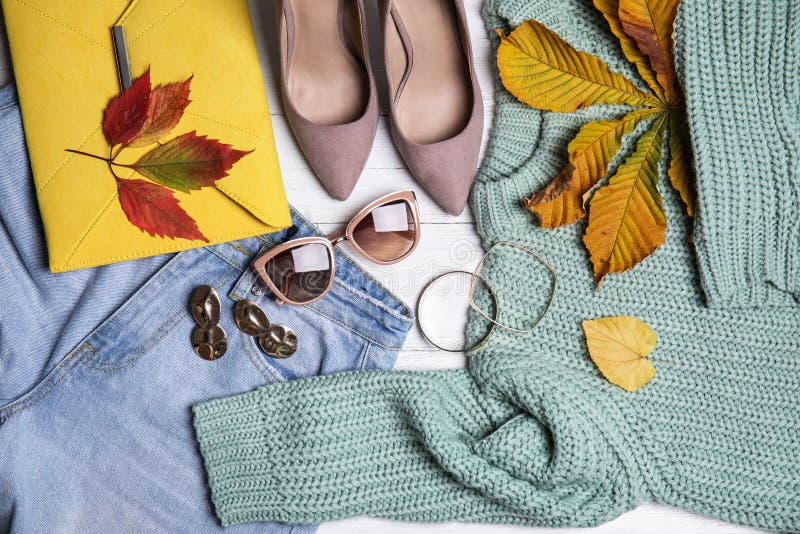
411	446
739	67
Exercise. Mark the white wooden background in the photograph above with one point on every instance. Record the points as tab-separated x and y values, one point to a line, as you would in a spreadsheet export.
447	243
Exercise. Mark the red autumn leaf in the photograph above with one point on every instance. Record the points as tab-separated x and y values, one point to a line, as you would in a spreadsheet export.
155	210
140	116
189	161
167	104
126	114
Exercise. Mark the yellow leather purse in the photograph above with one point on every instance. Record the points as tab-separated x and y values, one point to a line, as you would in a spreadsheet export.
66	75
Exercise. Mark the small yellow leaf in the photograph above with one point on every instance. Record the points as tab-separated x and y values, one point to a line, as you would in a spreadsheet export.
610	10
543	71
626	217
619	347
680	171
561	201
649	23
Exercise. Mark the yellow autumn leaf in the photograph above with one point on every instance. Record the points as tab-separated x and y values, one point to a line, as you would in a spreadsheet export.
543	71
610	10
649	23
558	203
626	217
680	172
619	347
590	152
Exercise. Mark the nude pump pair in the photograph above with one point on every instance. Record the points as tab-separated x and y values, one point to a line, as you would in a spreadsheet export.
331	103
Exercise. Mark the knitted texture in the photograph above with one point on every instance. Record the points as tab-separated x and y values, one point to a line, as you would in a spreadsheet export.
531	433
742	82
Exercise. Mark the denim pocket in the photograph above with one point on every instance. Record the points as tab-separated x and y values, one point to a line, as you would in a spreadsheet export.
358	325
378	357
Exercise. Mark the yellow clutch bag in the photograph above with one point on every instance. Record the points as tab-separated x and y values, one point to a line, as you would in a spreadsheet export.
182	158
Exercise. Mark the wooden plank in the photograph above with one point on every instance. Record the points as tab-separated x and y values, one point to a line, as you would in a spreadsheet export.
302	188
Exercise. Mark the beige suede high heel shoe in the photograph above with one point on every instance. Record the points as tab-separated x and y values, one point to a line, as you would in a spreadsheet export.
328	89
436	110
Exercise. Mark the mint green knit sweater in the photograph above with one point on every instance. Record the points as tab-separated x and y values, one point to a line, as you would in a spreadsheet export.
531	433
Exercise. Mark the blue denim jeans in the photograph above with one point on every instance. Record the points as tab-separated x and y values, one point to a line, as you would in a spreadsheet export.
97	372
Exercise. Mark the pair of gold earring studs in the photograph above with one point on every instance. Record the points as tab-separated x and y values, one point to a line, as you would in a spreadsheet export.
210	341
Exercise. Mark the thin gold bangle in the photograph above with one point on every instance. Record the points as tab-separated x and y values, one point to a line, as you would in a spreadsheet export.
485	338
497	305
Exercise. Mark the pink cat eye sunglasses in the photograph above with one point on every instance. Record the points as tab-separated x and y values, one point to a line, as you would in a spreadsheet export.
302	271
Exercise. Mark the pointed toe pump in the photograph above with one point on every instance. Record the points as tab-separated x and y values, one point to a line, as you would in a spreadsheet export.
327	86
436	110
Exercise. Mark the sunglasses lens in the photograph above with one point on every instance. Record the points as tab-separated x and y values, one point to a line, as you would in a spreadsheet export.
388	232
302	273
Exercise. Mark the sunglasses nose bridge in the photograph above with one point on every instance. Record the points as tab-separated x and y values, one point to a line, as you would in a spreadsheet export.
337	237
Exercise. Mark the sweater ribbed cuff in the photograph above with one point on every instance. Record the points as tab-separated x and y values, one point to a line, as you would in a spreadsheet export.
426	447
351	444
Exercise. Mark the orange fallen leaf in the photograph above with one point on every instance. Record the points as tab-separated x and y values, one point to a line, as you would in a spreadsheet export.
590	153
649	23
626	217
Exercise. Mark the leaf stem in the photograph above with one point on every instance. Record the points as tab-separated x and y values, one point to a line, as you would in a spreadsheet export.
112	155
101	158
109	161
117	178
